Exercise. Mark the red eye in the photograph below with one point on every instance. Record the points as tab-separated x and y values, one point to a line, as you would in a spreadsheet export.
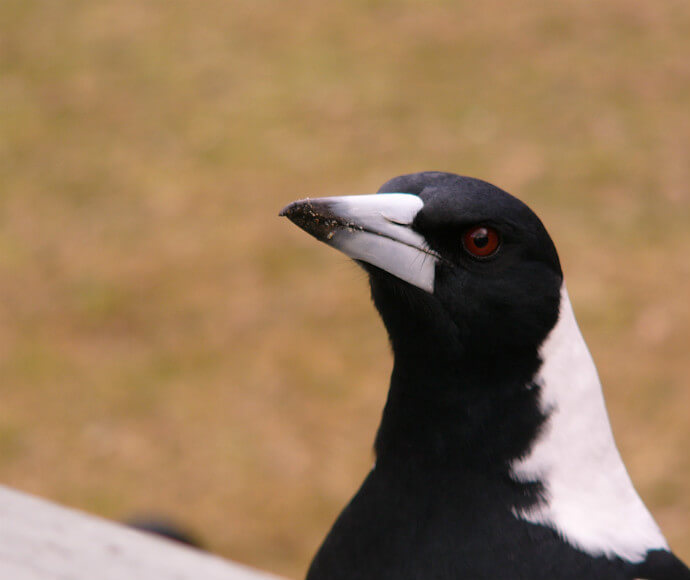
481	241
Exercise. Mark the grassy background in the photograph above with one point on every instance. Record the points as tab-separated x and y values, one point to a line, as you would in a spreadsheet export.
168	344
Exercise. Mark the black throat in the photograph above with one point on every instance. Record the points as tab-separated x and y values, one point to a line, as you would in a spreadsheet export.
455	405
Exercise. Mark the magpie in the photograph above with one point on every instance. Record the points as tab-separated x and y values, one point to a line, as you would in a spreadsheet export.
494	455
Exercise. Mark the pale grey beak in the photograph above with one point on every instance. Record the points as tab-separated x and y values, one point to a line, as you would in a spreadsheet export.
371	228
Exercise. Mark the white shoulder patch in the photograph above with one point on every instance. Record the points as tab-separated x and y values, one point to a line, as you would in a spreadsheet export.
589	498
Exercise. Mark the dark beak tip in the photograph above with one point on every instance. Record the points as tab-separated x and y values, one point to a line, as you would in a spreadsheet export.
291	209
314	219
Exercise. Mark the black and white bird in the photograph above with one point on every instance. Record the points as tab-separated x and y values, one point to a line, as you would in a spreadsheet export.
494	457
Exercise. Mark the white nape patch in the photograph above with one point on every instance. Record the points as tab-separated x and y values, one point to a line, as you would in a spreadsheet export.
379	235
589	498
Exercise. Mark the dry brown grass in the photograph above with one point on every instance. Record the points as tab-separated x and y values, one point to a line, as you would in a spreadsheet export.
168	344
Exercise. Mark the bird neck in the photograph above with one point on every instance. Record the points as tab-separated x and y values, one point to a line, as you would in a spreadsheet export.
451	407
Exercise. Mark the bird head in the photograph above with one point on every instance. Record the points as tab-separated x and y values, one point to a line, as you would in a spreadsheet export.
456	265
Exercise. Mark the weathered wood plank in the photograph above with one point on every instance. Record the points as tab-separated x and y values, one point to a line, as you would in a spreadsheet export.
40	540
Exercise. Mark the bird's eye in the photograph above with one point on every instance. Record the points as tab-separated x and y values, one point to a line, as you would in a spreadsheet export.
481	241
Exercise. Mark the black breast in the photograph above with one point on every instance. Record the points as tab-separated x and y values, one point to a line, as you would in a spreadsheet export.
441	526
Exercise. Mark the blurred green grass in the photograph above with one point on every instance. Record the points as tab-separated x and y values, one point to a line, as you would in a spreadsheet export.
168	344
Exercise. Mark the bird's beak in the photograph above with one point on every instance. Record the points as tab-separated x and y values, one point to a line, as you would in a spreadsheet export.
371	228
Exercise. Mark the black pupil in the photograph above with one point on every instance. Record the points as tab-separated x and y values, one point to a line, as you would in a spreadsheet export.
481	238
